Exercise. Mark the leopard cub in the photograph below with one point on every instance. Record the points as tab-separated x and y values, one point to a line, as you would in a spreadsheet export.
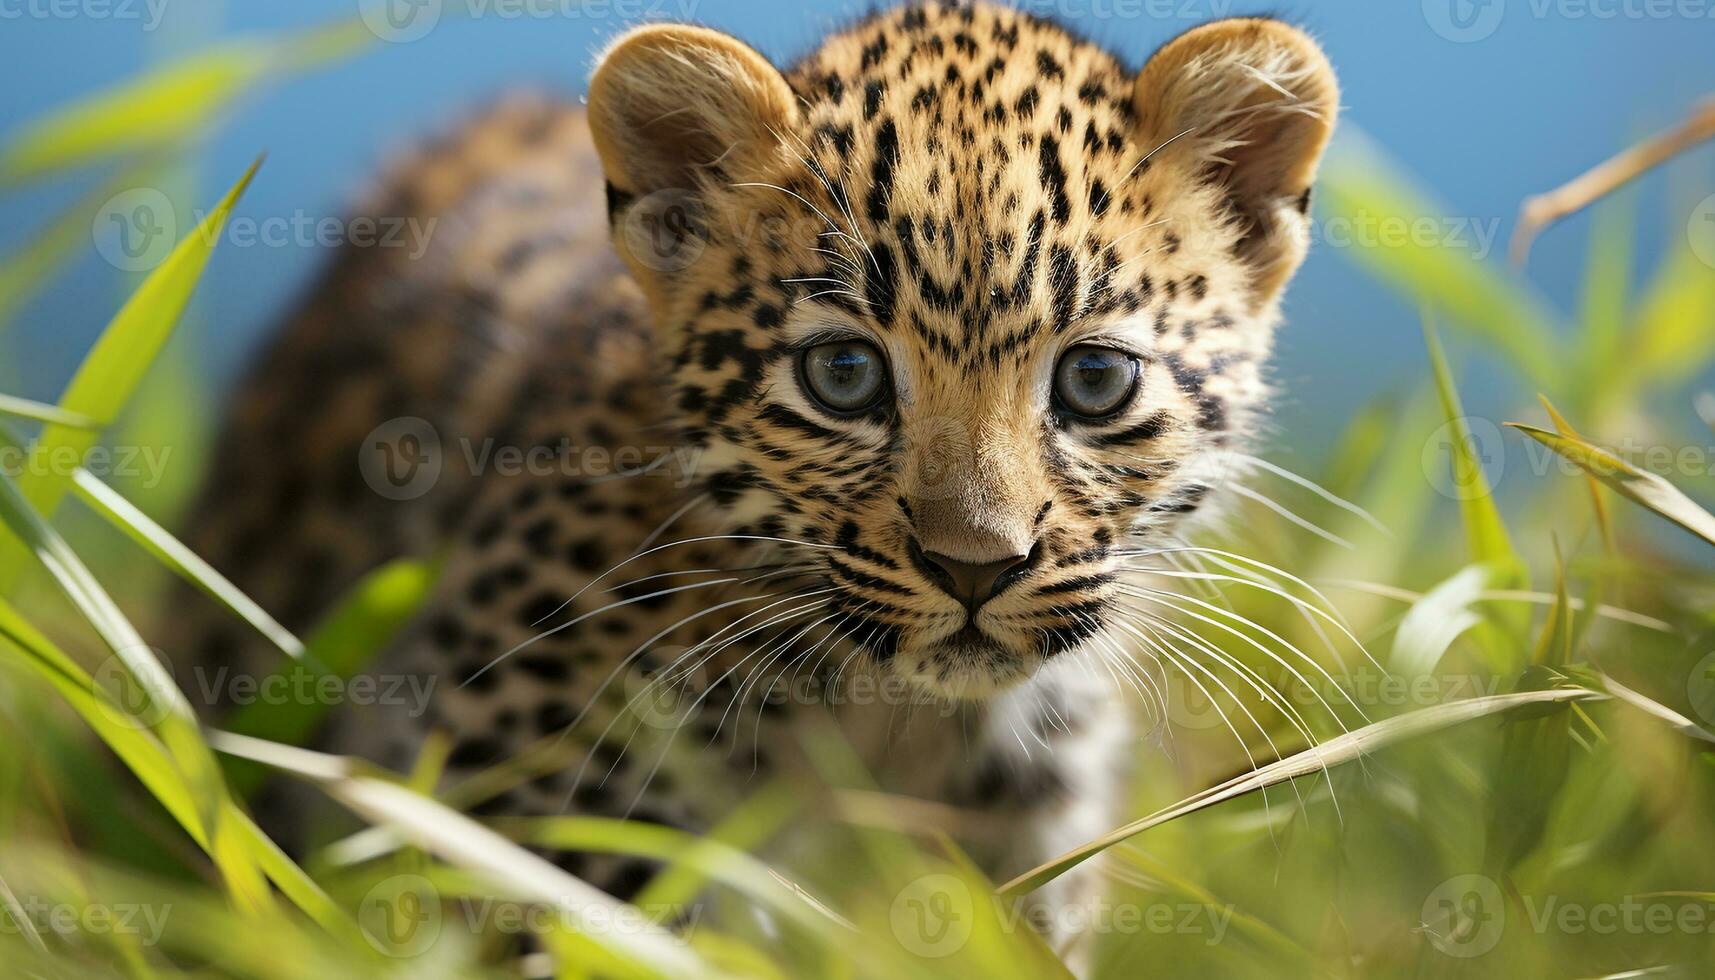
857	390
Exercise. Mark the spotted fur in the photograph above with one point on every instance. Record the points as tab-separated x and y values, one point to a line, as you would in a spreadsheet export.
971	190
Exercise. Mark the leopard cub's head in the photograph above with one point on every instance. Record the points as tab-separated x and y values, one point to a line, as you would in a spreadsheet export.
963	301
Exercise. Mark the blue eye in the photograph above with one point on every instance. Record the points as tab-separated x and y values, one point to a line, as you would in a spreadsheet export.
1095	382
844	377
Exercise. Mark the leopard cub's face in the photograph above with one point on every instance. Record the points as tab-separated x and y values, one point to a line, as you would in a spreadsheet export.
961	304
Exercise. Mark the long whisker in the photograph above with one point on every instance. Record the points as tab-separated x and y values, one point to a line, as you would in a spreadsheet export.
675	544
1265	567
1307	608
655	535
646	692
1156	626
596	612
1162	598
1183	663
1313	487
1291	516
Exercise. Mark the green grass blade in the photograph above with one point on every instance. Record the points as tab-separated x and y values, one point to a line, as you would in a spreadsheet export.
1334	752
1360	188
29	268
141	752
115	367
134	743
465	843
163	107
298	887
158	542
167	107
715	862
23	408
1598	505
1554	647
169	551
112	371
168	710
1673	340
1484	529
1638	486
360	626
1535	752
102	613
1436	620
1603	304
747	828
1651	707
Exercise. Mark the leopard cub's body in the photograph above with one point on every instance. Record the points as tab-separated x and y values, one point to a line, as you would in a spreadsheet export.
677	546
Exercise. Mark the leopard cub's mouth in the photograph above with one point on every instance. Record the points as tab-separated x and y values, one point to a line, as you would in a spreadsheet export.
969	664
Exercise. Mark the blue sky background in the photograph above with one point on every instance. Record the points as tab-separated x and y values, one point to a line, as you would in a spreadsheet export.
1545	91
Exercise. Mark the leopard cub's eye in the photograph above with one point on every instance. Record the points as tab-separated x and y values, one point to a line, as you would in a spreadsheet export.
1095	382
845	377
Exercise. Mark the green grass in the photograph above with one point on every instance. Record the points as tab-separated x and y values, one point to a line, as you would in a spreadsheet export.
1499	762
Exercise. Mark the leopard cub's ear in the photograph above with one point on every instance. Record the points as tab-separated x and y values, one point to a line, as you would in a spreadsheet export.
669	102
677	113
1251	103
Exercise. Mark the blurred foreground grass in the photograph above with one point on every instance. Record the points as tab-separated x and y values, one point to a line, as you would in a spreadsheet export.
1513	777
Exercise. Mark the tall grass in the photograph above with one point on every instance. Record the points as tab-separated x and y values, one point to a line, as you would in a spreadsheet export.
1498	761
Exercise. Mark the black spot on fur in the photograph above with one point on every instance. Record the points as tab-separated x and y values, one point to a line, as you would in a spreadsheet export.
881	171
1054	178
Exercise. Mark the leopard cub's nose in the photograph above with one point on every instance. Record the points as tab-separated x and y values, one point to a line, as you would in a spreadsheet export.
972	583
